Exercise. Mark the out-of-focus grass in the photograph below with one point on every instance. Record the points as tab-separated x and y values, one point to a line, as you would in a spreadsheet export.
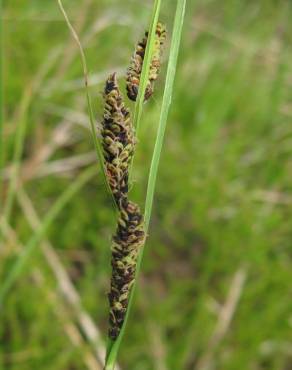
223	198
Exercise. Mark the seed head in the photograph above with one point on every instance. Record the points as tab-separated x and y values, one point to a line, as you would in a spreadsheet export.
117	139
135	68
127	241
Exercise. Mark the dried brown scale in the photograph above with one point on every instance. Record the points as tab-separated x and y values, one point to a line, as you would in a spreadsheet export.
135	68
118	146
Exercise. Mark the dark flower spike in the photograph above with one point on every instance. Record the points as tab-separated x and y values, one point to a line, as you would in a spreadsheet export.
117	139
127	241
135	68
118	146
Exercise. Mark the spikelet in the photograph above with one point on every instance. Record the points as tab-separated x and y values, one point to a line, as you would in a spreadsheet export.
118	147
117	139
135	68
127	241
156	57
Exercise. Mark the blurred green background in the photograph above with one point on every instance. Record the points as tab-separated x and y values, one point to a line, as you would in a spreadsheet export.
216	278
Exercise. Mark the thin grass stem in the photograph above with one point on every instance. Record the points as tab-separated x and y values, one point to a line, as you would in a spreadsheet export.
97	144
146	67
145	74
166	102
1	106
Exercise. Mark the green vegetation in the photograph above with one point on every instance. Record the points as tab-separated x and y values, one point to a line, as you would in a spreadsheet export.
214	286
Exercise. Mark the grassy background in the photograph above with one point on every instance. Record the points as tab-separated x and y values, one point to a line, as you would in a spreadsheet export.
221	223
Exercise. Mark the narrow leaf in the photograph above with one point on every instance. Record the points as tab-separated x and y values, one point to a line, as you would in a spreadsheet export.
171	68
145	73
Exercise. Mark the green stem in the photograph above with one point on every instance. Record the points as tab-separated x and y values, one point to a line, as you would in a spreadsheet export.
166	101
146	67
1	103
144	74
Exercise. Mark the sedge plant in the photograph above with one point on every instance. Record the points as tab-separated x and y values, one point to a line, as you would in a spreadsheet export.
113	345
115	152
116	149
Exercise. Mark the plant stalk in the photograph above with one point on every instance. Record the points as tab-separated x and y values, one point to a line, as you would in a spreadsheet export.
113	347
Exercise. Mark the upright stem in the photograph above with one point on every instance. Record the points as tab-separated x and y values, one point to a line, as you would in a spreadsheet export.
171	68
144	75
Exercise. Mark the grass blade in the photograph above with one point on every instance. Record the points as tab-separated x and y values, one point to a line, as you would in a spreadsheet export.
21	119
171	68
34	241
113	347
17	153
146	66
1	103
145	73
97	144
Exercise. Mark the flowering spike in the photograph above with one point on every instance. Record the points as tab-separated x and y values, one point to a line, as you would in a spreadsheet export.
118	146
135	68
